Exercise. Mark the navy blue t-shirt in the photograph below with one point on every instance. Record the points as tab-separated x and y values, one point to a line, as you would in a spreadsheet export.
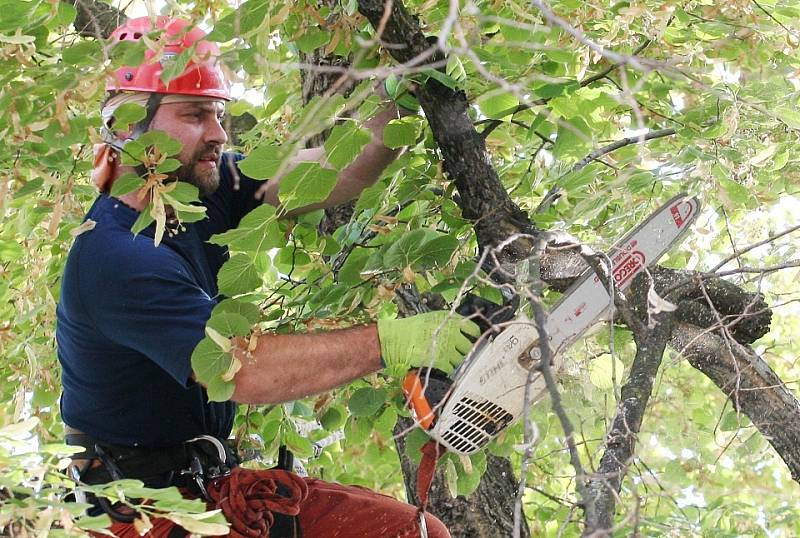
130	315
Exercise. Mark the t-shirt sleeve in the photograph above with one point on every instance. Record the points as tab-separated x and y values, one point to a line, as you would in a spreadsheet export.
153	306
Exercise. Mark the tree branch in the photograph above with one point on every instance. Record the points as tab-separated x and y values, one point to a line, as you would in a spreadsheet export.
483	199
605	484
752	386
95	18
594	155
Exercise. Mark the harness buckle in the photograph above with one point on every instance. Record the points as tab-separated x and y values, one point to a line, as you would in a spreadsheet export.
203	474
75	474
195	470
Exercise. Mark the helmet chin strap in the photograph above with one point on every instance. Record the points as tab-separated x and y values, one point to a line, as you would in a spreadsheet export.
153	102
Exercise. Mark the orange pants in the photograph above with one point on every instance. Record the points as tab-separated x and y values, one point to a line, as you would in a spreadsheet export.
330	511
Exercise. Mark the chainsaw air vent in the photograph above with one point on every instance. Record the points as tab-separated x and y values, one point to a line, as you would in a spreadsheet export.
477	422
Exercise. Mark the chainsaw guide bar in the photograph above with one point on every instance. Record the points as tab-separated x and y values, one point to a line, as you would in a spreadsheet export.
488	389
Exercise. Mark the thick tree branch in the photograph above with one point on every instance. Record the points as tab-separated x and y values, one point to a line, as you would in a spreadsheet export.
605	484
752	386
483	199
95	18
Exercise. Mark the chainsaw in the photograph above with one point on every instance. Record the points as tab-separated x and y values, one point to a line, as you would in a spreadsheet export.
486	393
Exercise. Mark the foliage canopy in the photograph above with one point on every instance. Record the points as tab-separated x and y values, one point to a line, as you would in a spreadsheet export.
546	91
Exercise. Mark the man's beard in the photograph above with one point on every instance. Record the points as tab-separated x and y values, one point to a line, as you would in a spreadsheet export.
206	181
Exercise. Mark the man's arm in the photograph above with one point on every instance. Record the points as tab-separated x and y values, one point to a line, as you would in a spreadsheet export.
360	174
286	367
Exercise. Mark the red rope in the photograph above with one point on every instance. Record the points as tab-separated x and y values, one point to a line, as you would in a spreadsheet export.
431	452
248	498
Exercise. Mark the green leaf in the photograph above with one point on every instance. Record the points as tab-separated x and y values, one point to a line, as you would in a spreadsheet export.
437	75
420	248
170	165
366	401
83	53
128	113
126	183
10	251
414	441
604	370
334	418
250	312
455	69
469	480
229	324
438	251
789	116
275	103
238	275
258	231
406	250
66	14
312	39
345	143
143	220
550	90
350	273
298	444
498	106
733	421
174	64
135	150
307	184
29	188
185	192
94	523
451	477
209	364
195	525
386	421
263	162
574	140
402	132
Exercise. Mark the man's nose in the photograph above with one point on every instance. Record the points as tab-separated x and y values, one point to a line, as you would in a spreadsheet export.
215	133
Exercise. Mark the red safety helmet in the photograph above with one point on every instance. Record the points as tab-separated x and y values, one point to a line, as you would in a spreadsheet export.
205	78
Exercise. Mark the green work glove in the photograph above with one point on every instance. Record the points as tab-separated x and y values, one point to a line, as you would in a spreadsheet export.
437	339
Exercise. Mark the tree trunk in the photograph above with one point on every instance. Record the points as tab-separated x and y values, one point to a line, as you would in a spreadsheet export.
487	513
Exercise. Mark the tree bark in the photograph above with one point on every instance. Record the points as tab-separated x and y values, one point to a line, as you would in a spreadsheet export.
95	18
604	485
752	386
487	513
772	408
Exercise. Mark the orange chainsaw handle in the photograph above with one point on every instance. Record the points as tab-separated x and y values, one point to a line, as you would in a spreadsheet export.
415	396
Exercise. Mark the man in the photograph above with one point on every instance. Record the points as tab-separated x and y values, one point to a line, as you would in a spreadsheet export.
131	313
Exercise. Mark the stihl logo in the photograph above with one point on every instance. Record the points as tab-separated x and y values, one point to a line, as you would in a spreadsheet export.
681	213
629	267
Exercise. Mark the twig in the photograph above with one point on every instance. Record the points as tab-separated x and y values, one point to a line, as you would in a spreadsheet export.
661	133
737	253
555	192
771	16
544	367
